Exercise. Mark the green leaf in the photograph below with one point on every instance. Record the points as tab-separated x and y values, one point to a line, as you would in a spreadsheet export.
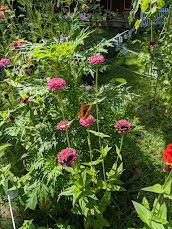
154	225
167	188
162	214
98	100
93	162
145	203
118	152
137	23
144	213
3	147
145	5
121	80
157	188
99	134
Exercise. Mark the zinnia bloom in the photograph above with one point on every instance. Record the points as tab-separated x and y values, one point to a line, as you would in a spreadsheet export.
67	157
152	43
63	125
4	62
167	154
2	15
123	126
4	8
56	83
98	59
88	121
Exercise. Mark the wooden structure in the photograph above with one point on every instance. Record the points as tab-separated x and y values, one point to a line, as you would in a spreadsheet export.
117	5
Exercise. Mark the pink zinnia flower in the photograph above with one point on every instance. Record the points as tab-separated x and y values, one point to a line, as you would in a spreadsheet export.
152	43
4	8
4	62
56	83
67	157
88	87
123	126
2	15
88	121
98	59
63	125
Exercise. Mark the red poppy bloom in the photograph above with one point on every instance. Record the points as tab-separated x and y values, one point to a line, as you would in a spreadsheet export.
167	155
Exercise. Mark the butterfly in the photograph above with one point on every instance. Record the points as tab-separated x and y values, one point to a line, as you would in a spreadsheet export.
85	111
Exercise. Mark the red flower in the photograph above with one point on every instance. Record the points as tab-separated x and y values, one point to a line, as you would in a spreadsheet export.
167	155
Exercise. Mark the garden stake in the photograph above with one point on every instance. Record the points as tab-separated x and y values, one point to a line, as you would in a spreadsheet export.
11	211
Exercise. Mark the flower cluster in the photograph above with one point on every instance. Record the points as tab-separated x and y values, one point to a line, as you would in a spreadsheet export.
56	83
167	154
67	157
123	126
4	62
88	121
63	125
98	59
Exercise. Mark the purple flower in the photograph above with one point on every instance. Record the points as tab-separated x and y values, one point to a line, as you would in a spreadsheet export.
152	43
64	38
83	17
123	126
88	87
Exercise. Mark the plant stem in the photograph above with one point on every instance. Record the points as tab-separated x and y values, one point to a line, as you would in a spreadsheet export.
120	148
97	105
104	173
160	195
89	144
67	138
63	115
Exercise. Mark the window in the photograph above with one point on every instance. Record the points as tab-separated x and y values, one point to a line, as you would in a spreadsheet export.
127	4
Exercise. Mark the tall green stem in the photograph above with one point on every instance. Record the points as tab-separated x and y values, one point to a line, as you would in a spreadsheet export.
120	148
160	195
63	115
97	104
89	144
104	173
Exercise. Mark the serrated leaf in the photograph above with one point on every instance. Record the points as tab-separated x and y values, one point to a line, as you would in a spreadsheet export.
99	134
